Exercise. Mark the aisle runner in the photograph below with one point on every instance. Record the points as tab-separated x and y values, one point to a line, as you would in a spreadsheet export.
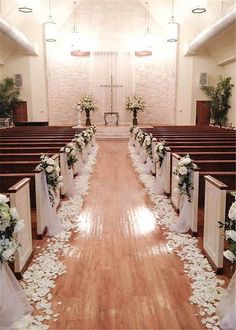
41	276
204	282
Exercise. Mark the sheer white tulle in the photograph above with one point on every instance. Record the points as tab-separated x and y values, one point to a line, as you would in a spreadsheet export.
160	182
53	223
13	301
148	167
183	224
120	66
226	309
68	180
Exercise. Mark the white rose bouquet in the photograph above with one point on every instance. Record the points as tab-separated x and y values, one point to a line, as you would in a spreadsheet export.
160	151
79	141
52	172
230	232
135	103
70	150
87	103
10	224
148	145
183	173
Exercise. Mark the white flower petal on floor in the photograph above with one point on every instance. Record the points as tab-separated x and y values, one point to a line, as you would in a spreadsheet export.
207	290
41	276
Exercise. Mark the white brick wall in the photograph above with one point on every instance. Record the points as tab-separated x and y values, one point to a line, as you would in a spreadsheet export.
111	25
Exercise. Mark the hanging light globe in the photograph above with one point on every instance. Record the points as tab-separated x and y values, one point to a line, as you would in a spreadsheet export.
25	6
75	42
199	6
50	30
172	30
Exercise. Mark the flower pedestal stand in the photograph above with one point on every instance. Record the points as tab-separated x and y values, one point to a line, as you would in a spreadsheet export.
135	121
88	121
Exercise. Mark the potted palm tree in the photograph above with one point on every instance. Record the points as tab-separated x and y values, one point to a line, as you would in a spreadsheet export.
87	104
219	100
9	98
134	104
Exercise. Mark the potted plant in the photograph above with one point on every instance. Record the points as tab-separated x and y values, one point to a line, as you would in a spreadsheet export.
219	103
9	98
134	104
87	104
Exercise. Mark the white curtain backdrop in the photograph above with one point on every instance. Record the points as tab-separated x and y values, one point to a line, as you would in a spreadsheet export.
120	66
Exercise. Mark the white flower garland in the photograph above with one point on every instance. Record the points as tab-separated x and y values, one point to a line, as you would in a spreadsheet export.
10	224
183	172
70	150
230	232
160	151
207	288
53	177
40	277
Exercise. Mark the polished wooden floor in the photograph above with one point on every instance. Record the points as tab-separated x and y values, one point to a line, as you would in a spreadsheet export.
121	273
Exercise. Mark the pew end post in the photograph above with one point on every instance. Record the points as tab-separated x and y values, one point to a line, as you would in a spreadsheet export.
213	237
20	199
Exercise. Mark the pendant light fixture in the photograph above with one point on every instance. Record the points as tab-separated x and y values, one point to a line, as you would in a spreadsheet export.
25	6
172	26
199	6
50	27
76	44
145	48
75	38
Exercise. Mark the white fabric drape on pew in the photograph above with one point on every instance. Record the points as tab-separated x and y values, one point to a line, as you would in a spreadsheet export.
160	182
226	309
13	301
183	224
69	182
53	223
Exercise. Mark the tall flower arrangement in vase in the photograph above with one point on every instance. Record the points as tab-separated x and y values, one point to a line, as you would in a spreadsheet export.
87	104
134	104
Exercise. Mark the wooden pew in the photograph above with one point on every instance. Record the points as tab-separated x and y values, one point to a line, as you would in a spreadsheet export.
198	193
204	166
22	156
12	171
20	199
217	203
189	150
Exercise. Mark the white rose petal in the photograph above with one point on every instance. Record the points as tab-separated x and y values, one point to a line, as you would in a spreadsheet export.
231	234
229	255
3	199
183	170
232	211
14	213
49	169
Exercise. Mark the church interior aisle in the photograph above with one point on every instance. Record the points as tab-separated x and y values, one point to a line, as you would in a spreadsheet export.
121	273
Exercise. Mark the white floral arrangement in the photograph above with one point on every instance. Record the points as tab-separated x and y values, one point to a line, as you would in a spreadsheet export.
10	224
148	145
160	152
134	103
230	232
135	132
53	177
79	141
183	172
70	150
140	137
87	103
